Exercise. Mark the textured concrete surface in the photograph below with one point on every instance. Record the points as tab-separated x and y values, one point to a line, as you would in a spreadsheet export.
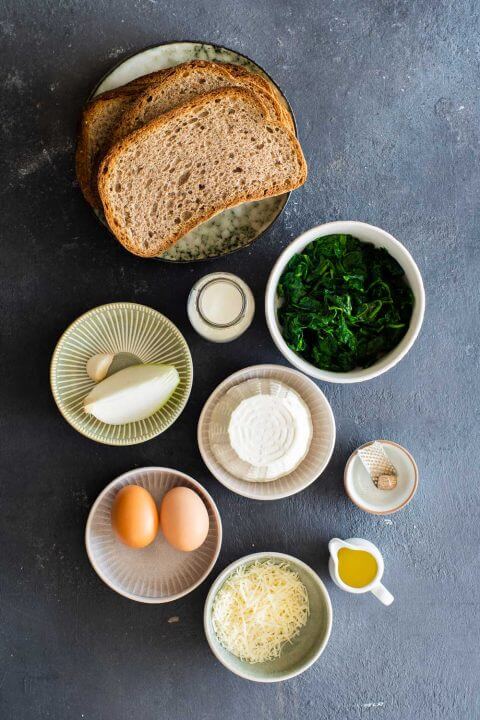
386	97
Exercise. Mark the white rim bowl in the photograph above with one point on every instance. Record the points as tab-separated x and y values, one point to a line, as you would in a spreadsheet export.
321	447
363	493
270	671
366	233
157	573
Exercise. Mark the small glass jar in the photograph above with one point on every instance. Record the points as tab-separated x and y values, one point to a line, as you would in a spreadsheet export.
220	307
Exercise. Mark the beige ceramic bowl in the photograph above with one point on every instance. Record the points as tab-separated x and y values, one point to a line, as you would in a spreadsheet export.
321	447
158	573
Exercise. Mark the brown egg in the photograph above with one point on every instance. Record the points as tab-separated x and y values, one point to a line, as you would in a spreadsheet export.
184	519
135	516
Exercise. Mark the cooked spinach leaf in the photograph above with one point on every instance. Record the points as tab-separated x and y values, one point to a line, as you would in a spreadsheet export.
345	303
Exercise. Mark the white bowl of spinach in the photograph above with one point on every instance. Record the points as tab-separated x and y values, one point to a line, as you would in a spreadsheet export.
345	302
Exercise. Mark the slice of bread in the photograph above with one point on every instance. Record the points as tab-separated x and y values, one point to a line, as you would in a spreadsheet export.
149	79
99	121
237	71
97	124
262	82
181	85
158	75
215	152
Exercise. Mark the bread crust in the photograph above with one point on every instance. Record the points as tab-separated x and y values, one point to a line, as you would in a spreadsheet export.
159	75
197	103
262	82
129	120
235	70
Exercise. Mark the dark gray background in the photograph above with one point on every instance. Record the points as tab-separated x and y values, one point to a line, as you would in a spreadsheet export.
386	99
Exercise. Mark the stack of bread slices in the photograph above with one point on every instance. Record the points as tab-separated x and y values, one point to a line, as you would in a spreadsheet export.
172	149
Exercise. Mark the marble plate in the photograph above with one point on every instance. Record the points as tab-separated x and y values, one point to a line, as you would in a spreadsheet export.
232	229
158	573
115	328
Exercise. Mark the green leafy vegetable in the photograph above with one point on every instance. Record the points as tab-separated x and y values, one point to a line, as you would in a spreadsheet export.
345	303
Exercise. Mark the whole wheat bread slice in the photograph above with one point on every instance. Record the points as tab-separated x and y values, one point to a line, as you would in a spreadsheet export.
97	124
99	120
239	71
212	153
158	75
181	85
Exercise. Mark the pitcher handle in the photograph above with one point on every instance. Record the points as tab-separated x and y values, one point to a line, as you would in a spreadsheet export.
382	594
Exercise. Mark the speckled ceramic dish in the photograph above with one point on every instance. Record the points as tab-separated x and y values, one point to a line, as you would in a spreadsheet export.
119	327
158	573
320	450
304	649
232	229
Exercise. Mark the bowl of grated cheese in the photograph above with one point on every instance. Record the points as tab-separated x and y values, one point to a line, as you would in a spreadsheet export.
268	617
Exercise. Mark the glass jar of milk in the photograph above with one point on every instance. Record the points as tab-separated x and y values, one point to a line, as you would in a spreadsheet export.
220	307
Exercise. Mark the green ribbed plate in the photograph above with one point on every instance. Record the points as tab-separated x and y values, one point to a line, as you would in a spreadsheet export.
118	327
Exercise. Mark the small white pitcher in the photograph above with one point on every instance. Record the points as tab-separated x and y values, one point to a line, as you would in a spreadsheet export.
375	586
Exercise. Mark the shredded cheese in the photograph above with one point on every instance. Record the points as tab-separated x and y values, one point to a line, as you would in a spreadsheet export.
259	609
